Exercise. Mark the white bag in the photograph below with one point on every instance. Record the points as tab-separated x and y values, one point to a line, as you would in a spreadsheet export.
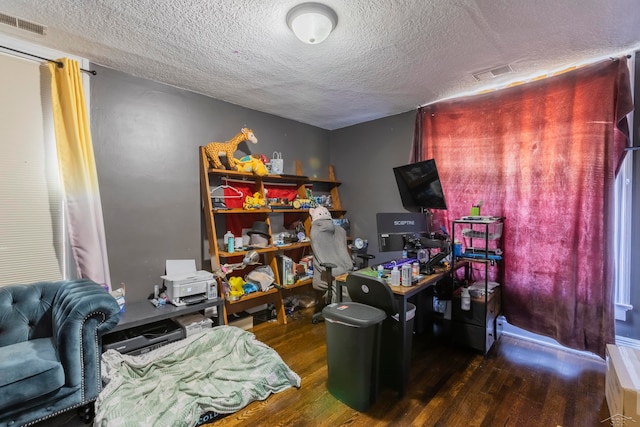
276	163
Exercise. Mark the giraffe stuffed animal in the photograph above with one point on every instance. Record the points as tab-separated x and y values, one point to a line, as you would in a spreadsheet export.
215	149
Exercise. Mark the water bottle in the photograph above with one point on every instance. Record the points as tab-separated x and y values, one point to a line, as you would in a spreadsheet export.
380	271
229	240
395	276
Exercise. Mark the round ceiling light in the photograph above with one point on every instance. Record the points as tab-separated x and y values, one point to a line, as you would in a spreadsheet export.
312	22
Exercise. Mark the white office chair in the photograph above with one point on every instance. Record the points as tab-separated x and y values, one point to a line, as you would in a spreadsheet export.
330	258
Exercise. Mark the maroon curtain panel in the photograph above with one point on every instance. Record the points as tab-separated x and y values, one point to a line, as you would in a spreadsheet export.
544	155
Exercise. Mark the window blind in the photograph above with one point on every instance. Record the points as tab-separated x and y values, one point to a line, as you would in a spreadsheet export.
31	228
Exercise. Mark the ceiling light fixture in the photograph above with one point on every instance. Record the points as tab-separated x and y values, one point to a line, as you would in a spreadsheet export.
312	22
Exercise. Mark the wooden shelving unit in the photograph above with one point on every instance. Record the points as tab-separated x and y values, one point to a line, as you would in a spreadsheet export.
215	220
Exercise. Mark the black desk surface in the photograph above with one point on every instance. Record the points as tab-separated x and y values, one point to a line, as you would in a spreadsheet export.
143	312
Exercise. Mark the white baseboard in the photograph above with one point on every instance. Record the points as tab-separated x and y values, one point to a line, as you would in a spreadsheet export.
628	342
551	343
525	335
510	330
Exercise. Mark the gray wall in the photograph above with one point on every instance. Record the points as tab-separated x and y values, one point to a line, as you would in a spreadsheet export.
146	137
364	156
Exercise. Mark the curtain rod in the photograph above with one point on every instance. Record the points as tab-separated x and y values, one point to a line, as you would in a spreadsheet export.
58	63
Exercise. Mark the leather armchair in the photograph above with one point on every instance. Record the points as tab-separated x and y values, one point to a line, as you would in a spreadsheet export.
50	347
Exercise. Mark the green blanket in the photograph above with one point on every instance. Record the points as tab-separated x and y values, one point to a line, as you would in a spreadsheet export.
221	370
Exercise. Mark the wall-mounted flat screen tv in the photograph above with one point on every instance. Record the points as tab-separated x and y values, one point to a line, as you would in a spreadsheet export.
419	186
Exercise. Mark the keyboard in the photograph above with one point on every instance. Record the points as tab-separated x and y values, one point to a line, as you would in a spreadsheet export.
398	262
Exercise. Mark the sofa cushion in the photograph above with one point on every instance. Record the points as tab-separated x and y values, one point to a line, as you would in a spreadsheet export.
25	311
30	369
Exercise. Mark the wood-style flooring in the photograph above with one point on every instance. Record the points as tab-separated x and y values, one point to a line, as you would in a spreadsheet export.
519	383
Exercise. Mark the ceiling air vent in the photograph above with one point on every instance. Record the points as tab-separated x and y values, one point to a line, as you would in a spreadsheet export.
21	24
492	73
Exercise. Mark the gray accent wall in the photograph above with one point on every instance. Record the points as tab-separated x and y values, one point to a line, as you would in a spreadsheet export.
146	137
364	156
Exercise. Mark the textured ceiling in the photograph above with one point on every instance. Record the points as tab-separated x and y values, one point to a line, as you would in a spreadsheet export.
385	57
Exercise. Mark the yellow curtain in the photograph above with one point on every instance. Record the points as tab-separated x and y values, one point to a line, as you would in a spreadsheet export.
78	172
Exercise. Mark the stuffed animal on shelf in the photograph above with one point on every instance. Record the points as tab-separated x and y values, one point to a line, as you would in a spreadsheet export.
215	149
237	287
251	164
256	201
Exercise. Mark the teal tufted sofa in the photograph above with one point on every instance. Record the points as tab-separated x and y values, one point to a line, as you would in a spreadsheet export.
50	347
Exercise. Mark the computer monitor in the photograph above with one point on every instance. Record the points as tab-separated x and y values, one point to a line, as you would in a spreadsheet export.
395	228
419	186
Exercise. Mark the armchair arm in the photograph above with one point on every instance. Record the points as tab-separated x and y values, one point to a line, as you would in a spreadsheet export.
82	311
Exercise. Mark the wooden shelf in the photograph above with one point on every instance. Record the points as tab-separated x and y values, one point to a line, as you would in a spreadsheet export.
237	211
253	295
299	283
324	181
240	211
269	255
272	178
289	247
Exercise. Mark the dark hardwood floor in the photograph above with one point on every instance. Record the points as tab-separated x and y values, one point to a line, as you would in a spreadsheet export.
519	383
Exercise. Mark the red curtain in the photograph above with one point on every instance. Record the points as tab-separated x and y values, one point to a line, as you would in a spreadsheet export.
544	155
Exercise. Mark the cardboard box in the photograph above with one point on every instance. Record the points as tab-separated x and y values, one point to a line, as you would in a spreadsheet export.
622	382
193	323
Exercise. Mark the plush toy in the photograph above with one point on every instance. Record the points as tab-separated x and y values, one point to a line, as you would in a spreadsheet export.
319	213
237	287
215	149
251	164
256	201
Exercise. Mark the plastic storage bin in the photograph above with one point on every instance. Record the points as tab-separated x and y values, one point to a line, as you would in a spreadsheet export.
353	346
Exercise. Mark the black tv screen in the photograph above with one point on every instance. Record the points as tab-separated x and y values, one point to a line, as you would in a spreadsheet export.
419	185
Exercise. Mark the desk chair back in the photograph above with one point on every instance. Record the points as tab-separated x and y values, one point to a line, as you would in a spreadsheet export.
371	291
396	338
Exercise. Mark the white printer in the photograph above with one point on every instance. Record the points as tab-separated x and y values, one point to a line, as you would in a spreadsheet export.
185	285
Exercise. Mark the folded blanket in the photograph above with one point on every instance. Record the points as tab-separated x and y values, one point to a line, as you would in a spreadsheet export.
220	370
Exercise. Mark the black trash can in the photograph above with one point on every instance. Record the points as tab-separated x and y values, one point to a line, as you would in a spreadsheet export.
395	350
353	347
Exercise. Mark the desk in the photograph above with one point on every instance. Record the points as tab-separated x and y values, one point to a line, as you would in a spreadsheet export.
143	313
402	294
